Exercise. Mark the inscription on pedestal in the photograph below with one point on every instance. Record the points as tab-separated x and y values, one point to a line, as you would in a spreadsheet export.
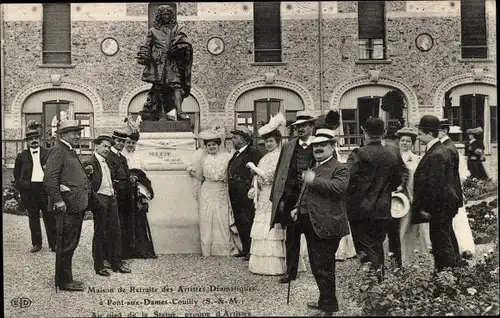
165	126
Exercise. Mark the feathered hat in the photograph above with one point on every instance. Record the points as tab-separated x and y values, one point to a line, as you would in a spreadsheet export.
133	127
273	125
33	129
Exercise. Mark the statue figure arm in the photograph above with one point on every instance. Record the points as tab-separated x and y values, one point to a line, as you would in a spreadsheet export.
144	54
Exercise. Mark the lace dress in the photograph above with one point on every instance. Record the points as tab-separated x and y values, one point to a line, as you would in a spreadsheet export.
214	213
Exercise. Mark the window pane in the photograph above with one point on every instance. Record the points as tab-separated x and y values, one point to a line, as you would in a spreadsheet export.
348	114
364	53
378	49
274	108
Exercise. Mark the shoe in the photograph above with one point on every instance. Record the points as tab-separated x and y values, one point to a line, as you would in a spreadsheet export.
122	269
103	272
77	282
246	258
107	264
72	287
287	278
327	309
36	248
239	255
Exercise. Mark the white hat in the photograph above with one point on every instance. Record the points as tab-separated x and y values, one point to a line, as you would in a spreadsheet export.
400	205
274	123
324	134
455	130
68	125
304	117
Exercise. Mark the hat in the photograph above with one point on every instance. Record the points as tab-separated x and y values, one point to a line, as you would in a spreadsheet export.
455	130
120	133
304	117
134	136
392	129
242	131
32	133
274	123
103	137
208	134
324	134
68	125
429	122
443	123
475	131
374	127
400	205
406	131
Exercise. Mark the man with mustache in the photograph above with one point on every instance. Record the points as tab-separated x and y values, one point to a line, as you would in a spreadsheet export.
28	179
320	214
296	157
375	174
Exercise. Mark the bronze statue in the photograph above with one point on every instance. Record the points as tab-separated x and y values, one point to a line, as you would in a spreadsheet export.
168	57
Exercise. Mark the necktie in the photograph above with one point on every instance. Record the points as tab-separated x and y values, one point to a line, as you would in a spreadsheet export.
236	153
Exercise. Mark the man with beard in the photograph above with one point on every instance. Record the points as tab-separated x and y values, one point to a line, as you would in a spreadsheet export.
239	182
296	157
375	174
122	182
320	214
434	196
69	191
28	179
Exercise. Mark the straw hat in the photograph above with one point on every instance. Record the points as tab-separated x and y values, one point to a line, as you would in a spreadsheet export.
304	116
406	131
103	137
68	125
324	134
400	205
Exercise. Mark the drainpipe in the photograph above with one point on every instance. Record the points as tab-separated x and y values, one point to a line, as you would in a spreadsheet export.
2	70
320	34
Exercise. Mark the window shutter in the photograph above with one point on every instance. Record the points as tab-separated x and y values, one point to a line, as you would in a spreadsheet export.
267	31
473	23
56	33
371	19
153	7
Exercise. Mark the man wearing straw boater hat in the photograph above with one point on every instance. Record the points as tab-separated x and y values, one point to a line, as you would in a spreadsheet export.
320	213
122	182
28	179
375	174
239	182
435	199
296	157
69	191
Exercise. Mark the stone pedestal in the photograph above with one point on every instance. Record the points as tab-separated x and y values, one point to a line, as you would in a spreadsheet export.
173	213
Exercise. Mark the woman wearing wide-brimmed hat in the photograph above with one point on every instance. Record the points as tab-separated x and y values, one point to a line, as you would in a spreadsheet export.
474	150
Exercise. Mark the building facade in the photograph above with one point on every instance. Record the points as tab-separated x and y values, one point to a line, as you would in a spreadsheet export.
251	60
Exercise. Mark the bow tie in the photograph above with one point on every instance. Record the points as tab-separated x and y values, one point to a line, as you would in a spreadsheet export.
304	145
34	152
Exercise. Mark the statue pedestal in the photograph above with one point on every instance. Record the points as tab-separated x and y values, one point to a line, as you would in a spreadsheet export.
173	213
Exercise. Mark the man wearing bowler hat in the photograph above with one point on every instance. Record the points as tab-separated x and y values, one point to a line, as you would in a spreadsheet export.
122	183
240	182
104	207
69	191
296	157
375	174
435	198
28	179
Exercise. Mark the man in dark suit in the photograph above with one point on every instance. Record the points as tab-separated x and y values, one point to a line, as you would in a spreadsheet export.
240	182
321	215
375	174
435	199
28	179
69	191
107	234
296	157
122	183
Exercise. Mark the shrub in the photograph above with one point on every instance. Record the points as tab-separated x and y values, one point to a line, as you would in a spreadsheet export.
418	290
475	189
483	221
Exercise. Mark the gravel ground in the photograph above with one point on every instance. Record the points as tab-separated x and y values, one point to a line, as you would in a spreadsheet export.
31	275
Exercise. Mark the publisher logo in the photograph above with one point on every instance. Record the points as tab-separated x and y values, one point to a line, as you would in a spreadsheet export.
21	302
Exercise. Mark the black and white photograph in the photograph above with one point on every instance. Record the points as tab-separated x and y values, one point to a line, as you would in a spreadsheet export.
246	159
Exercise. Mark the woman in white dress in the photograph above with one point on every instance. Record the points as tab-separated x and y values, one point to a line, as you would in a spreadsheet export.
214	211
267	251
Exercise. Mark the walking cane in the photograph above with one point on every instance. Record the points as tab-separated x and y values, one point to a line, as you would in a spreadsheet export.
289	267
59	244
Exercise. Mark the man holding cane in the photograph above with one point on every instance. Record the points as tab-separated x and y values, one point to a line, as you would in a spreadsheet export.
321	215
69	191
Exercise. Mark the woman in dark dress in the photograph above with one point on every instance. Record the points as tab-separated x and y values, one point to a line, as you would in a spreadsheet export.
474	150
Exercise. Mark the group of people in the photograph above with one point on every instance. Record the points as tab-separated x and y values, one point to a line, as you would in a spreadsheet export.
258	207
112	184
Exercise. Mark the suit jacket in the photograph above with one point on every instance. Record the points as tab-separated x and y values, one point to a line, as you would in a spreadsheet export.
64	167
325	200
120	171
375	173
237	170
96	176
455	159
282	178
23	167
433	186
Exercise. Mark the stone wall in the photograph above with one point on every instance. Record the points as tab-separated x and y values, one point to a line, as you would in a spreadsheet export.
216	76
